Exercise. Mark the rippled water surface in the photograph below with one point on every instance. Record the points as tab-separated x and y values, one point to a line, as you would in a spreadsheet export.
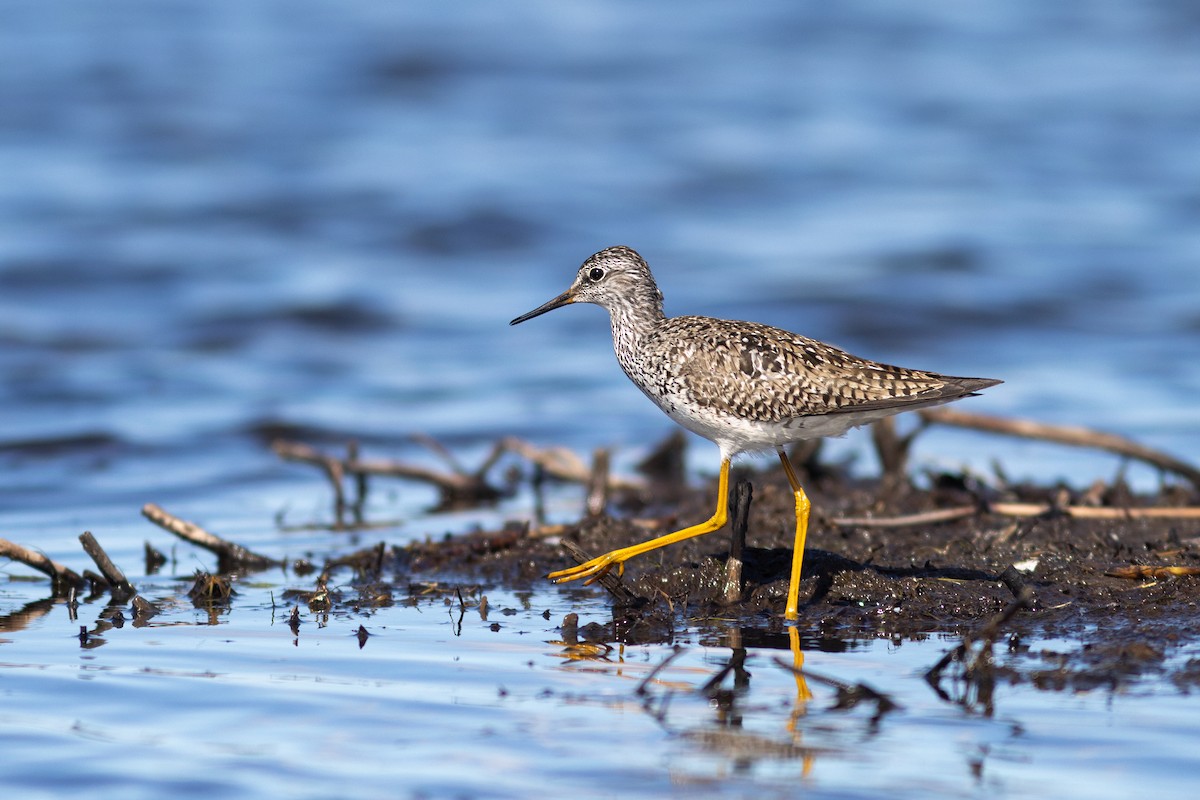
224	221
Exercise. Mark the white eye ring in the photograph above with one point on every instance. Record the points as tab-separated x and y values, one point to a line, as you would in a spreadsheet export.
595	273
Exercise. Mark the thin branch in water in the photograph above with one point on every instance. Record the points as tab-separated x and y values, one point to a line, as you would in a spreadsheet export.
120	585
62	579
332	467
230	556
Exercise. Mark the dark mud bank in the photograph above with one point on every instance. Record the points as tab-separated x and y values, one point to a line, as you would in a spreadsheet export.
1109	597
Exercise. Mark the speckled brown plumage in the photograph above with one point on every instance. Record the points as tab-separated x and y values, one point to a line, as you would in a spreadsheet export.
744	385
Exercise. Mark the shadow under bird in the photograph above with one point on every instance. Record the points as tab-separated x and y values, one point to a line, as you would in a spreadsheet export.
744	386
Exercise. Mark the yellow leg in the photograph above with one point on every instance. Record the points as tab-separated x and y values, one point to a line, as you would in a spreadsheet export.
599	566
792	611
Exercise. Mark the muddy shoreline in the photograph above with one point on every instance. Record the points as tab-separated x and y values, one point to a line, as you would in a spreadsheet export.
1102	613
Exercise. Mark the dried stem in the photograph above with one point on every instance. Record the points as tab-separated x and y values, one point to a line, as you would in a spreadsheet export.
457	488
1063	434
610	580
62	578
331	466
1017	510
230	556
115	578
743	493
597	494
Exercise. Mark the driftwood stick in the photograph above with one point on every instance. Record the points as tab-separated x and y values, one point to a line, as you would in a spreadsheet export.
230	556
1018	510
62	578
440	450
115	577
562	464
597	493
457	488
1063	434
360	479
397	469
742	493
333	468
610	580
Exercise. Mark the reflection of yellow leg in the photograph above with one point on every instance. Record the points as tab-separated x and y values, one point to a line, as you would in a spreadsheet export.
792	611
600	565
803	693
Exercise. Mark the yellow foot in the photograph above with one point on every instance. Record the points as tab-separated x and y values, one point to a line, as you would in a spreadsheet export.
598	567
593	570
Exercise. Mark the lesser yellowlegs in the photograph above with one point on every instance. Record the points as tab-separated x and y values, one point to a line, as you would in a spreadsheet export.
742	385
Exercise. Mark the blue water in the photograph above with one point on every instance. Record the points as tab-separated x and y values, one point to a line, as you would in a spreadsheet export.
221	219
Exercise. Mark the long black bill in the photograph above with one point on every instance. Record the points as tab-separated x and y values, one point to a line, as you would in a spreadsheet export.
563	299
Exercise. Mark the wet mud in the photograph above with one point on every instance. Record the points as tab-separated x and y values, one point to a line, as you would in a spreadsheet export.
1104	600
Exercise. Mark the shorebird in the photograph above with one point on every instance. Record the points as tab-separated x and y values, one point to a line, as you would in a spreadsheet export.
744	386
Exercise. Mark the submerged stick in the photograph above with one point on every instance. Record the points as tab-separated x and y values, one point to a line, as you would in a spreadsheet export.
1072	435
62	578
230	556
116	579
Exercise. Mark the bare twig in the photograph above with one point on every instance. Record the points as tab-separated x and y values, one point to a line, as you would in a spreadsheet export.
62	578
453	482
457	488
562	464
986	634
1018	510
1137	571
230	556
597	494
440	450
1063	434
610	580
116	579
743	493
360	482
664	465
892	449
331	466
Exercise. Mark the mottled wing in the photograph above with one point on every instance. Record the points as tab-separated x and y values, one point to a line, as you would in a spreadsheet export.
758	372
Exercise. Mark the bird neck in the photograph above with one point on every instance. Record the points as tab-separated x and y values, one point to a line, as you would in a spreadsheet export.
631	322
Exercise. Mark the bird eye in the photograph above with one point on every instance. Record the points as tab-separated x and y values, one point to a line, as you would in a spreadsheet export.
596	273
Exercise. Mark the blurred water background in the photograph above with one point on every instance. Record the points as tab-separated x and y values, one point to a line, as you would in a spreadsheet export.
222	220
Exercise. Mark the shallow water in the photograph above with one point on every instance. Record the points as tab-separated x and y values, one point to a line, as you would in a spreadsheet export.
219	222
440	703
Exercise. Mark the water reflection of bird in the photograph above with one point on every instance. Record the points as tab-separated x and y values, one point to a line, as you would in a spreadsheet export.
742	385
